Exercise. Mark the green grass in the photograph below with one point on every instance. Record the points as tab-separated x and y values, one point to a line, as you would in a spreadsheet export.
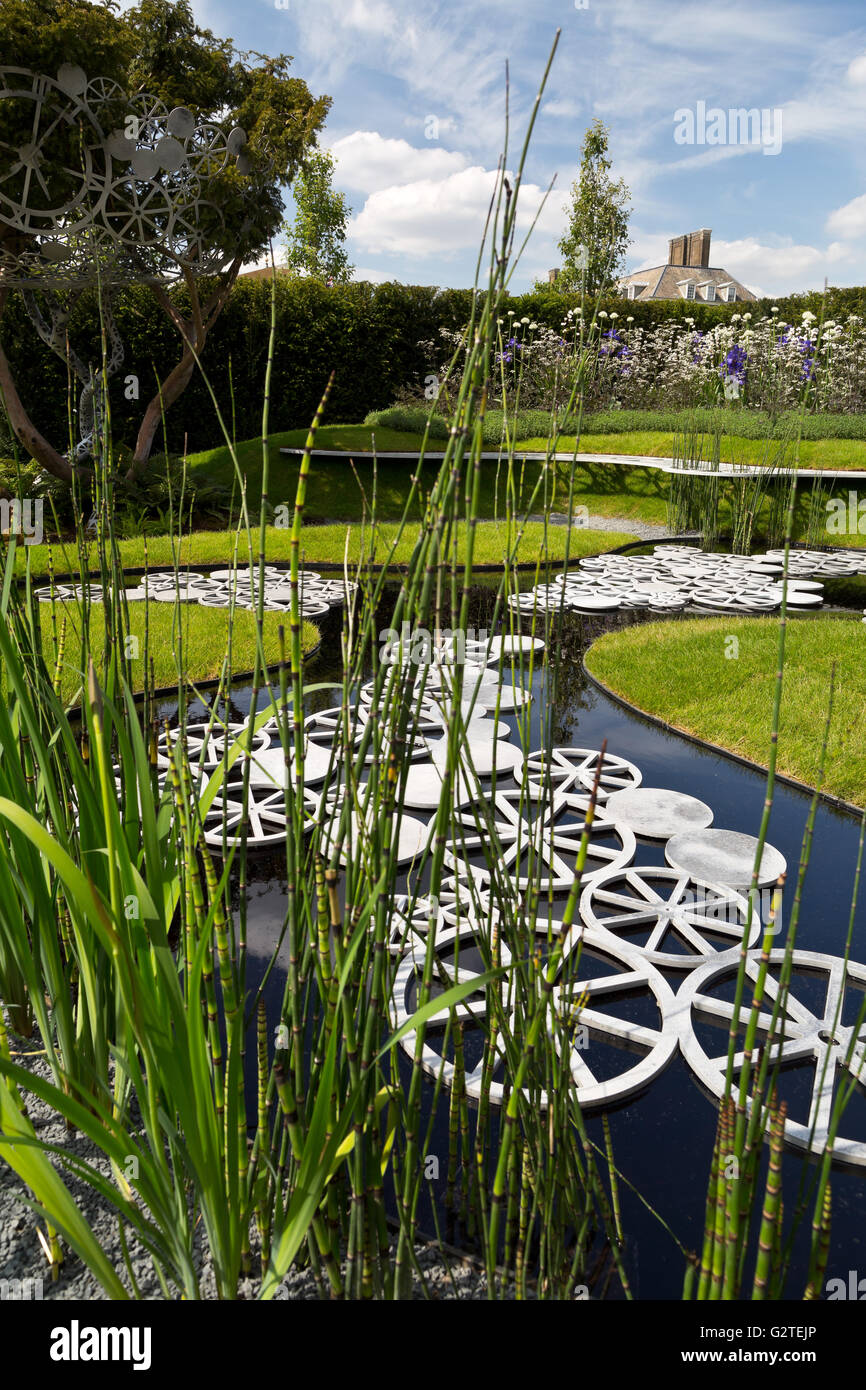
737	421
829	454
323	544
680	672
198	635
337	490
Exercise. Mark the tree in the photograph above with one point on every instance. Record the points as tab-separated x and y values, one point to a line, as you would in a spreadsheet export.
594	246
315	244
137	148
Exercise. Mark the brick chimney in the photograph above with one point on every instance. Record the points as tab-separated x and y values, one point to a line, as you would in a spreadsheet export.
699	248
692	249
677	250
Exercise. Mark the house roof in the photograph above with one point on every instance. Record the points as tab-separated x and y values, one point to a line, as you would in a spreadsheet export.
663	281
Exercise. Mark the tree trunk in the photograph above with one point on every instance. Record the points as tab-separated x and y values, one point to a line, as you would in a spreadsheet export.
194	335
26	432
173	386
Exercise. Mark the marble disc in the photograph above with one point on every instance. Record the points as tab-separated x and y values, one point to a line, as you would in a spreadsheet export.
657	812
723	856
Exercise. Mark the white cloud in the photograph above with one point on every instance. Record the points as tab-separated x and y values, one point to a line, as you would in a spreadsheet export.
441	217
782	269
562	107
376	277
647	250
369	162
857	70
376	19
849	221
451	59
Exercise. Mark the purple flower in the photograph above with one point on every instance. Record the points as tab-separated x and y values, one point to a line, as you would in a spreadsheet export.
807	352
735	364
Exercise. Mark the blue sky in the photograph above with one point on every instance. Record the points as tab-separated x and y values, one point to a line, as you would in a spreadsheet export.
781	221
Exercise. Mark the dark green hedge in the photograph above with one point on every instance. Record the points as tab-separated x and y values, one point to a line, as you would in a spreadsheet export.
368	335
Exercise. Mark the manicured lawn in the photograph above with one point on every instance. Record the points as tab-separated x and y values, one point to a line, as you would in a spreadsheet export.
200	634
810	453
680	672
328	543
339	490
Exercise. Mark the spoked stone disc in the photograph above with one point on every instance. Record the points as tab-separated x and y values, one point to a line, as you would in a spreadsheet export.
656	909
535	843
570	773
264	816
723	856
583	1013
821	1037
206	746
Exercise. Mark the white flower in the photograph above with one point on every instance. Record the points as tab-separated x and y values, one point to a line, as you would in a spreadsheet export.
602	313
614	316
808	316
532	327
525	320
774	309
630	318
746	317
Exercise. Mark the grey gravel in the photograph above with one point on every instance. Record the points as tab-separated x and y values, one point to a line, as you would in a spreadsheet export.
448	1276
643	530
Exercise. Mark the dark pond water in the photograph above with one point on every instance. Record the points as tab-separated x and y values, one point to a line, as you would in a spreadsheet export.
662	1139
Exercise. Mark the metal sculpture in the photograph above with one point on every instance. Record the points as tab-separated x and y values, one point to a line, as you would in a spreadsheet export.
109	189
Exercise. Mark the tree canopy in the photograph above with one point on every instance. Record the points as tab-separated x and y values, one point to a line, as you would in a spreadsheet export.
595	242
316	238
136	147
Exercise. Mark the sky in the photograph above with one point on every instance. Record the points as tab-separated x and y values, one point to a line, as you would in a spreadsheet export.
417	125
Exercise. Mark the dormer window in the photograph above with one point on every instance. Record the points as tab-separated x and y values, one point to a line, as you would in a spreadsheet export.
709	290
728	293
635	289
687	288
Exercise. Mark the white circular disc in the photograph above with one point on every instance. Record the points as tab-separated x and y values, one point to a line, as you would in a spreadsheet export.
657	813
723	856
645	1049
667	908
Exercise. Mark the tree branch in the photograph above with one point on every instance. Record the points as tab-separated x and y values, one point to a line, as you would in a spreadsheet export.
194	334
36	444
